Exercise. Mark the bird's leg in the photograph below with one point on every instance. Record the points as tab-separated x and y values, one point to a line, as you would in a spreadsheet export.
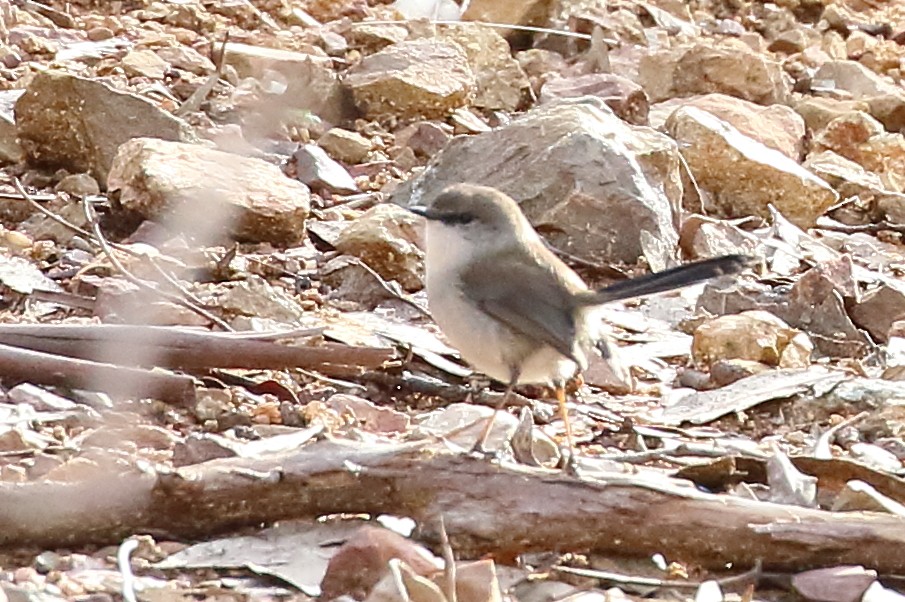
569	463
482	440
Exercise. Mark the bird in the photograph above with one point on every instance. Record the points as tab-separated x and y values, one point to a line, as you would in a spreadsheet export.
514	310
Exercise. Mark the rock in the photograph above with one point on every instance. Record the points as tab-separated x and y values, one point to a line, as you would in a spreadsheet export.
255	297
118	301
419	78
10	149
885	99
702	237
726	371
367	415
258	203
741	175
513	12
889	109
424	138
186	58
567	164
316	169
501	82
854	78
792	41
201	447
371	37
311	83
73	122
360	563
541	65
344	145
732	69
817	112
862	139
78	185
144	63
834	584
348	280
816	304
776	126
620	25
878	309
850	179
625	97
99	34
752	335
41	227
384	237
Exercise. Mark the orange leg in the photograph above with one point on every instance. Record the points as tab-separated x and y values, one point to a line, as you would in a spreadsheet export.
564	412
482	440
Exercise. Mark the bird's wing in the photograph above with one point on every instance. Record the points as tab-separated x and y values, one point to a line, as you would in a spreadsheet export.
525	295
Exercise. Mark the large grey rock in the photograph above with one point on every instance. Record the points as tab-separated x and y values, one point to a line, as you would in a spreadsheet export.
193	188
599	187
73	122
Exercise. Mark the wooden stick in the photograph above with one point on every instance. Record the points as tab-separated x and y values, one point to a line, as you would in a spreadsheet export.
487	508
47	369
183	348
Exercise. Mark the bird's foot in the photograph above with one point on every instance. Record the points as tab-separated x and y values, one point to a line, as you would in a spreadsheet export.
569	464
478	451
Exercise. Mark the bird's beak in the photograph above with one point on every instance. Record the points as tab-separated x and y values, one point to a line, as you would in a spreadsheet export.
422	210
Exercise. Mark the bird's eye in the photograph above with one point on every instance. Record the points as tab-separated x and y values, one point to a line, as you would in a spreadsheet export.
457	218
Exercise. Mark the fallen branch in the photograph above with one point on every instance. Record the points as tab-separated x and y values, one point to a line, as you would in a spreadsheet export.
25	365
486	508
184	349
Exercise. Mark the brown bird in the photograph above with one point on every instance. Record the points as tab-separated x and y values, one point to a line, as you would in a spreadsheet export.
511	307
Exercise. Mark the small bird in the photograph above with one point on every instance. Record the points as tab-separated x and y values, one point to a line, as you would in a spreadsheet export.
510	306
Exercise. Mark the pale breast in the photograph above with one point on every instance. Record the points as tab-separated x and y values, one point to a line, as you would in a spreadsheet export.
484	342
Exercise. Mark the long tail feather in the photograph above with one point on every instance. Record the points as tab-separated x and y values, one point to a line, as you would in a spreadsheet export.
668	280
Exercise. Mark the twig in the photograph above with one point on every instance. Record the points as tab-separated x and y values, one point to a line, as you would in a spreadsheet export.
435	387
91	238
387	287
697	191
753	575
449	564
607	270
821	447
200	95
527	28
185	348
46	368
871	228
333	381
17	196
125	568
144	284
50	214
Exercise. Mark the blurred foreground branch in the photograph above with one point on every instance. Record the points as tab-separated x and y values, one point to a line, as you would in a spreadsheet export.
486	508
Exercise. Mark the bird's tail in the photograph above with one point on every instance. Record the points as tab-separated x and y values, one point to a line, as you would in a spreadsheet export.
668	280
